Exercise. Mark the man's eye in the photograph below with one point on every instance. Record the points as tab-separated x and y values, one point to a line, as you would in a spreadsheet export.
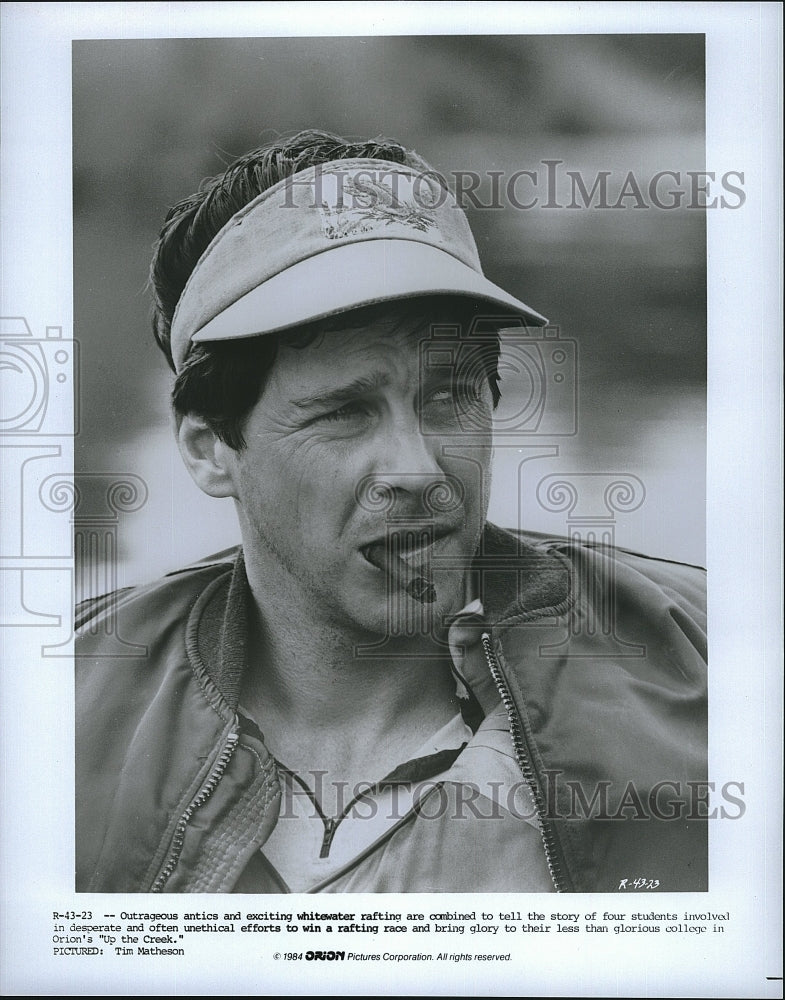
445	395
348	411
460	394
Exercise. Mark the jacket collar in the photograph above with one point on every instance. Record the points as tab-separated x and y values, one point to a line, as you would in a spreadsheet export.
518	576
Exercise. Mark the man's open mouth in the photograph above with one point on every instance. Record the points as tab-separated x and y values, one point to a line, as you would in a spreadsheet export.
414	545
405	558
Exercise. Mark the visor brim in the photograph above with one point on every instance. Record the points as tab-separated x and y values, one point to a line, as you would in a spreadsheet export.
354	275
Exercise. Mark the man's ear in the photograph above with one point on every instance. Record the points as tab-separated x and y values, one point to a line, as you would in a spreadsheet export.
207	458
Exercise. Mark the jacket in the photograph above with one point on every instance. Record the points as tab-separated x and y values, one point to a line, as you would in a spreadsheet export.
588	670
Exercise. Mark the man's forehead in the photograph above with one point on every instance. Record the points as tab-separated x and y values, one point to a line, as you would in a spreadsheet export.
361	354
356	341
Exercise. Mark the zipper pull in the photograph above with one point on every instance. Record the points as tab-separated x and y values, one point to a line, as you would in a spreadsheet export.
330	826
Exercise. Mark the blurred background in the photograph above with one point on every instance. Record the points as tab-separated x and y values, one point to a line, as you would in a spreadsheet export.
626	287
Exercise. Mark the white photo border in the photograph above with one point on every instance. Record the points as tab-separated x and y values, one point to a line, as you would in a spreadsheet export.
744	132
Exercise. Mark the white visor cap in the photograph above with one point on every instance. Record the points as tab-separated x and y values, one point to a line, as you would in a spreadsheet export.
332	238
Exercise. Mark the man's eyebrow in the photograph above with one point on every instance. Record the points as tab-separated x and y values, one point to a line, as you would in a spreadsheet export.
339	394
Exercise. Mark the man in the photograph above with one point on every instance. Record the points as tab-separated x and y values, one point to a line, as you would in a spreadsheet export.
378	691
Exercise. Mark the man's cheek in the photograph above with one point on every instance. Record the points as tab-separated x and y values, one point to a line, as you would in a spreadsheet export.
471	469
322	489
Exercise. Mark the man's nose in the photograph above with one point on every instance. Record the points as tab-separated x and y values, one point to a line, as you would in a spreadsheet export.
408	478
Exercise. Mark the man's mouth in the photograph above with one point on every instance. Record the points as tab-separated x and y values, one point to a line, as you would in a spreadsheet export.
405	558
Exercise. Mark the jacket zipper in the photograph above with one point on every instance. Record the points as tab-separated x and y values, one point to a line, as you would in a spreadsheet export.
330	826
197	802
523	758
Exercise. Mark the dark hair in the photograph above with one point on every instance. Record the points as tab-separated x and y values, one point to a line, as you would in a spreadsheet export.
221	381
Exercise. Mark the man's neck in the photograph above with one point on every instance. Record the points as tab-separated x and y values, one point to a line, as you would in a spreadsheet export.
323	705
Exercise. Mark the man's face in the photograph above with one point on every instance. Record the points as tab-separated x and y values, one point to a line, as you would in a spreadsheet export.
350	432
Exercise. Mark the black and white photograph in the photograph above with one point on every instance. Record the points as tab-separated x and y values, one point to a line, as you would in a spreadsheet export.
366	510
389	690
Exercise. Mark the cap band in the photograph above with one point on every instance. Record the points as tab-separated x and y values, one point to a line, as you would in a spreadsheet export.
328	239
